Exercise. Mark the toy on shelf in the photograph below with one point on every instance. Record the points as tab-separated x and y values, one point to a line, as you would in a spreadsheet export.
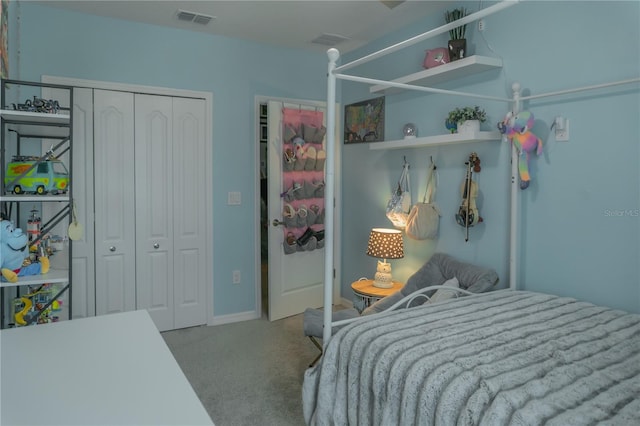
517	128
47	106
14	254
39	175
38	306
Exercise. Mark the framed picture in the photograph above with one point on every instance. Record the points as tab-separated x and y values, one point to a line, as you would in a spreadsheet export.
364	121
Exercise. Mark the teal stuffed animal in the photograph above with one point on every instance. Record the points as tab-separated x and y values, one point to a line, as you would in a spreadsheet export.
13	251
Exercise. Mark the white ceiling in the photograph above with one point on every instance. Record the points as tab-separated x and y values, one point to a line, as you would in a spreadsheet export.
289	23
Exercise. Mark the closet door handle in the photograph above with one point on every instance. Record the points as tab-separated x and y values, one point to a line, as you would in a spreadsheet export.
112	248
277	222
156	246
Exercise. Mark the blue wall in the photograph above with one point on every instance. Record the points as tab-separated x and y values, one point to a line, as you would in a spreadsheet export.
579	226
579	234
61	43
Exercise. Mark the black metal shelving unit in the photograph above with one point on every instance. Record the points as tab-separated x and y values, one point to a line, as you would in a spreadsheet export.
30	124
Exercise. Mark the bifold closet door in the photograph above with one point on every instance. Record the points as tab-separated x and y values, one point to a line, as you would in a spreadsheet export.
189	212
114	167
170	245
154	208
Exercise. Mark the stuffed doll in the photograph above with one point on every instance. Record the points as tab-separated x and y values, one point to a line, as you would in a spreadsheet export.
13	252
517	128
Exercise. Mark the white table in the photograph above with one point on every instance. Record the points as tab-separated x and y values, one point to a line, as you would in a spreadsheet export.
108	370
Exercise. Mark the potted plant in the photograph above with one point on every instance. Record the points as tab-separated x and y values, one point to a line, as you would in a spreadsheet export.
457	42
465	119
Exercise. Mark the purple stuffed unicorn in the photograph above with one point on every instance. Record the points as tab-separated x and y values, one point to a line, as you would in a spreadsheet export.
517	128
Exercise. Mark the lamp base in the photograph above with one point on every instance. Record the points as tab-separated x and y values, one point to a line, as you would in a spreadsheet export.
382	280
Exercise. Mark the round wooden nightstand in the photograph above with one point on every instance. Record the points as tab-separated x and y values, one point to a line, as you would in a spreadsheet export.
366	293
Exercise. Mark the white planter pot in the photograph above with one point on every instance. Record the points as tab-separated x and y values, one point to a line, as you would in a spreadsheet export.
469	126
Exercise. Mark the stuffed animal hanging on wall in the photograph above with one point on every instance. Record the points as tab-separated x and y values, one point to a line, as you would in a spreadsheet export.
517	128
13	252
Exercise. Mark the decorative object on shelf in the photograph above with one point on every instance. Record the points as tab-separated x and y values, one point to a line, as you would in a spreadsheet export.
466	119
451	126
39	175
424	217
517	128
436	57
364	121
468	214
457	42
410	131
14	253
75	230
385	244
400	203
47	106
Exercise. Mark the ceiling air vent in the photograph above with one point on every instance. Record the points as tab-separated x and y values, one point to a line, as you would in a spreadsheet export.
196	18
391	3
329	39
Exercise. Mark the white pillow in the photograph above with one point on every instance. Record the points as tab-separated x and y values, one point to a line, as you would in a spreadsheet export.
444	294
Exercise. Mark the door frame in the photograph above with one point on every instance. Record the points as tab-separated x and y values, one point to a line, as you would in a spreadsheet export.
337	243
208	193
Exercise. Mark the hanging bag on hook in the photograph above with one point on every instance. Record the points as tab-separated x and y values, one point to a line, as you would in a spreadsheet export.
424	217
400	203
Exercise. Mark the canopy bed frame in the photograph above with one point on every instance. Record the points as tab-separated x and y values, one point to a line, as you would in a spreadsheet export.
335	73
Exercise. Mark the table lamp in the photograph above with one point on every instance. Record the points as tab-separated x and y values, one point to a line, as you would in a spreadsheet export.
385	244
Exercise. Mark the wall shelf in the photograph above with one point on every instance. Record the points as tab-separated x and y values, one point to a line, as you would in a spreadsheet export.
35	198
461	68
36	123
453	138
54	276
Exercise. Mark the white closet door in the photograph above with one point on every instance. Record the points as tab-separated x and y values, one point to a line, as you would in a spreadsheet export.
189	218
114	202
83	264
154	208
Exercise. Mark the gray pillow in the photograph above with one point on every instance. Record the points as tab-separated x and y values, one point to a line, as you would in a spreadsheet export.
440	268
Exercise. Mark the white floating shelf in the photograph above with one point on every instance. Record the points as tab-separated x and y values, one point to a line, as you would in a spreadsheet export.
443	73
453	138
51	277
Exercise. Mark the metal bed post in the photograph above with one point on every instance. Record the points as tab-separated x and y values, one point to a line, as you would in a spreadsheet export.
329	203
513	237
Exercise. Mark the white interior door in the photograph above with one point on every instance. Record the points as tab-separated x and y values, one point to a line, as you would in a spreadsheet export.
189	188
295	279
154	207
114	202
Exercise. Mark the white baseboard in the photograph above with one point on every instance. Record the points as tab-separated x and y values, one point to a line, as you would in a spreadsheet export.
227	319
346	302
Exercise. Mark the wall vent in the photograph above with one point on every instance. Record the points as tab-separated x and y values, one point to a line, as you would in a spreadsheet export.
196	18
329	39
391	3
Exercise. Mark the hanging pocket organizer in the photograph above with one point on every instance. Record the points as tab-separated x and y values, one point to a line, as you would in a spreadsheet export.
303	161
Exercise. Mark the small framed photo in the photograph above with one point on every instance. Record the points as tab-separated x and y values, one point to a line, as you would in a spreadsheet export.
364	121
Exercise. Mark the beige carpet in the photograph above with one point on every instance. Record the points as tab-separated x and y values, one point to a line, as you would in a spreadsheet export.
246	373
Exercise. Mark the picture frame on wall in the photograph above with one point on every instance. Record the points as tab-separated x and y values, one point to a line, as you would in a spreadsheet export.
364	121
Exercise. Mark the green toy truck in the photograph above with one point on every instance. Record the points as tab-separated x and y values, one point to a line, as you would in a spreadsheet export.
30	175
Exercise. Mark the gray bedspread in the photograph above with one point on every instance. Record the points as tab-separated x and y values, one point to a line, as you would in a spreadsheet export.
508	357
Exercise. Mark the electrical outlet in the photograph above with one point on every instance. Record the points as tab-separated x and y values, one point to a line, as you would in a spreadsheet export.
481	25
236	277
234	198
